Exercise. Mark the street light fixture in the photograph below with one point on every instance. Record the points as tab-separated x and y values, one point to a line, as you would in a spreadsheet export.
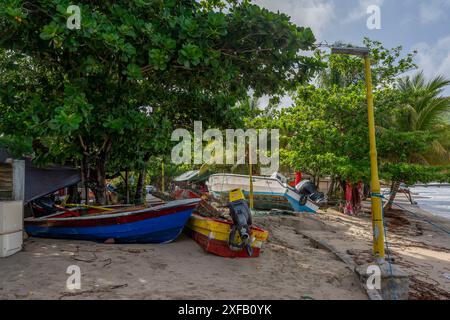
355	51
377	217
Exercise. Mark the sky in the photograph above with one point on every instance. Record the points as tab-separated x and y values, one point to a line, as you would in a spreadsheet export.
422	25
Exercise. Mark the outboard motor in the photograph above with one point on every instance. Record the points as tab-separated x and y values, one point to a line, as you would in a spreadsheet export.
307	189
242	222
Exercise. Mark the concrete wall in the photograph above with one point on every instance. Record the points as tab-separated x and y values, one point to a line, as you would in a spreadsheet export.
18	180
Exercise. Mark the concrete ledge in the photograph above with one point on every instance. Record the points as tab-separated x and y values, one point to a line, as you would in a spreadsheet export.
394	281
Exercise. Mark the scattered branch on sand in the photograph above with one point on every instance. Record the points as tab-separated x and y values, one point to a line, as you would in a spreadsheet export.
92	291
78	258
134	250
108	262
421	290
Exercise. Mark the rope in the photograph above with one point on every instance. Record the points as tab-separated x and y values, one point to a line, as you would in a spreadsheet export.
423	219
385	230
414	214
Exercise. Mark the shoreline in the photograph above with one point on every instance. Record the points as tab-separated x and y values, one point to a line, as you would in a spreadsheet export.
433	199
417	209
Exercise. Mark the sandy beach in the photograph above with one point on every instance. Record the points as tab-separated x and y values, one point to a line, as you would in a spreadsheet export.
289	268
292	265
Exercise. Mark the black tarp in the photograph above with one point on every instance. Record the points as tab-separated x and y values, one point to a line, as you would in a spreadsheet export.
3	155
41	181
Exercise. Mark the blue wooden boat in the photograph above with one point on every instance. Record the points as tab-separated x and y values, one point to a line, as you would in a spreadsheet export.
159	224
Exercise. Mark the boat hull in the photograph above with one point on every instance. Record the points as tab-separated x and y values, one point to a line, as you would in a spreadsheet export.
151	225
268	193
212	235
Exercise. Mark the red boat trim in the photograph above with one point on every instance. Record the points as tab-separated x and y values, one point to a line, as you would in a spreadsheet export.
219	247
255	228
104	221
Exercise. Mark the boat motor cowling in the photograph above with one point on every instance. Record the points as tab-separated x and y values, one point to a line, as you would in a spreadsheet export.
242	221
307	190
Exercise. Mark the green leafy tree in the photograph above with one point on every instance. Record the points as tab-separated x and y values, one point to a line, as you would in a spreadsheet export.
325	132
84	100
424	108
387	65
419	131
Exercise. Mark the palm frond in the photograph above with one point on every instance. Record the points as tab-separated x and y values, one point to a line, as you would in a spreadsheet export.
419	158
437	154
433	113
437	85
424	103
425	109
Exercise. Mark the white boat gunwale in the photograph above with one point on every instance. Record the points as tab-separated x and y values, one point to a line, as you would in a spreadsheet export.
105	215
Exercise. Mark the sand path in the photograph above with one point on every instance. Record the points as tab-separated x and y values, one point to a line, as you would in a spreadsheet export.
289	268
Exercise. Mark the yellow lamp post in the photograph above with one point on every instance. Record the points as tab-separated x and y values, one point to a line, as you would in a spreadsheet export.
377	217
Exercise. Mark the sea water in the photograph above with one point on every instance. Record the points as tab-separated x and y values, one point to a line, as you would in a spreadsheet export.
434	199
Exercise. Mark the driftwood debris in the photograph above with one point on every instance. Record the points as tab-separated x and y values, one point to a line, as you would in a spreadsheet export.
204	208
105	289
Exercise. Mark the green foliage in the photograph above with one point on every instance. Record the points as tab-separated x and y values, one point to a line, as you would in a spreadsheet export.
325	133
16	145
414	173
80	94
424	107
397	146
387	65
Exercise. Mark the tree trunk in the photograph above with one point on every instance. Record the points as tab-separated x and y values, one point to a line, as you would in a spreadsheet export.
74	196
85	178
393	193
317	182
93	167
138	199
127	188
366	191
98	183
357	194
331	188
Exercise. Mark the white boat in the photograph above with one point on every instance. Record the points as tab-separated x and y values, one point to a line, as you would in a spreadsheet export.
268	192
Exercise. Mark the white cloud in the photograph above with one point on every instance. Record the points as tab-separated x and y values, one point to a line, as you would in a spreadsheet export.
433	11
429	13
316	14
434	59
360	10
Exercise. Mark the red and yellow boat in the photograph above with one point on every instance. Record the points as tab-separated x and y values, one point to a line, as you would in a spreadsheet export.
212	235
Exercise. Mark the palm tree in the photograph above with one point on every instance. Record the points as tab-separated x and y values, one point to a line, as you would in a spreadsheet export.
424	109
